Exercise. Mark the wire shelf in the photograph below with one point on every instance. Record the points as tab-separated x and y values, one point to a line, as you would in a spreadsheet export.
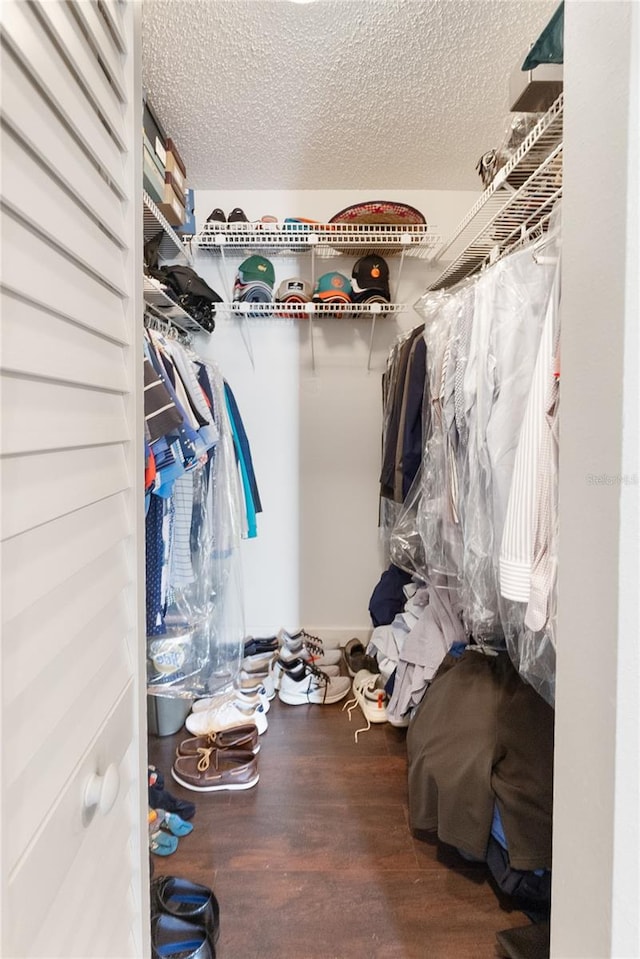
168	309
326	239
313	310
520	196
154	222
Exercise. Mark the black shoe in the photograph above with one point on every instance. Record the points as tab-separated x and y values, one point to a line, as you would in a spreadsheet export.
188	901
161	799
254	647
173	938
217	216
237	216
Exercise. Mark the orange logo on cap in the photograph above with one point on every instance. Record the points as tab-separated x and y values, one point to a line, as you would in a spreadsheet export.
375	271
337	281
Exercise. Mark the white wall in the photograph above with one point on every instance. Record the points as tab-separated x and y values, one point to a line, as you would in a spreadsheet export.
596	888
315	434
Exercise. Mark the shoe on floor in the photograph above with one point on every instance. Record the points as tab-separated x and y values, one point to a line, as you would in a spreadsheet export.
306	646
356	658
173	938
316	655
225	716
308	684
214	769
243	698
188	901
255	645
283	666
369	694
162	844
238	737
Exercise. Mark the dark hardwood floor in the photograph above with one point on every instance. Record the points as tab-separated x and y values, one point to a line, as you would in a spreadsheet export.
317	861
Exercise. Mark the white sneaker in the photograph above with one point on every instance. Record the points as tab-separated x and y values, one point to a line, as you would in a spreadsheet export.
283	666
242	698
370	696
307	684
305	646
225	716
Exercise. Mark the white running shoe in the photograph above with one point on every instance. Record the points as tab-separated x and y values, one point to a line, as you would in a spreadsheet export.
285	665
240	697
370	695
305	646
308	684
225	716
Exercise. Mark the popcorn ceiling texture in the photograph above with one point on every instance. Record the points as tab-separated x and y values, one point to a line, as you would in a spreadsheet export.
336	94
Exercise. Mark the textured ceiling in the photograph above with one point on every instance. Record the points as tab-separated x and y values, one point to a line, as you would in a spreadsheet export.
335	94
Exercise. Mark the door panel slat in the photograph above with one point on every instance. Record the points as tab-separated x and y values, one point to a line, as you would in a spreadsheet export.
58	416
36	123
60	21
36	562
41	632
50	485
103	44
31	337
62	287
52	212
34	50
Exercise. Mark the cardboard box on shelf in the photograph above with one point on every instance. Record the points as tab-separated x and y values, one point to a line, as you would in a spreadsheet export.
175	166
170	179
172	206
153	179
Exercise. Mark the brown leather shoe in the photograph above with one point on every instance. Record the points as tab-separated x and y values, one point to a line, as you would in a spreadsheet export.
215	769
238	737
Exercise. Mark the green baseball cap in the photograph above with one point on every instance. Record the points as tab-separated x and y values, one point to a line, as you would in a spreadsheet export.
257	268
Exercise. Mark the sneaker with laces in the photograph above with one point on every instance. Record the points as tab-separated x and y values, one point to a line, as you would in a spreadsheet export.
370	695
307	684
286	665
238	737
223	716
215	769
309	647
243	698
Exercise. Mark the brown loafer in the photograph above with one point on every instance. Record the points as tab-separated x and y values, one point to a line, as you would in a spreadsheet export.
215	769
237	737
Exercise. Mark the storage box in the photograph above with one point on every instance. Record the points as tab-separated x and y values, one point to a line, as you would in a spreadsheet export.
172	206
170	180
153	179
533	91
176	167
155	132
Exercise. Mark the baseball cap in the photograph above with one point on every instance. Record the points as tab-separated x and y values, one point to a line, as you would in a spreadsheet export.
371	273
294	290
332	288
371	296
256	268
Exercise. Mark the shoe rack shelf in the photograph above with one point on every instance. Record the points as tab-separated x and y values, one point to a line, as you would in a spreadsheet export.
304	310
167	309
319	240
154	222
519	199
325	239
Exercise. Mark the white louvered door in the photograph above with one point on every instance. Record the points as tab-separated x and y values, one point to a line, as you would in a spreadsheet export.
73	862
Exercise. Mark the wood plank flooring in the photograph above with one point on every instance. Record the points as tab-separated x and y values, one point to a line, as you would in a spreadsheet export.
317	861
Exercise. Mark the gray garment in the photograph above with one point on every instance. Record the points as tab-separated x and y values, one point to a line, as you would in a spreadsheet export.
435	632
